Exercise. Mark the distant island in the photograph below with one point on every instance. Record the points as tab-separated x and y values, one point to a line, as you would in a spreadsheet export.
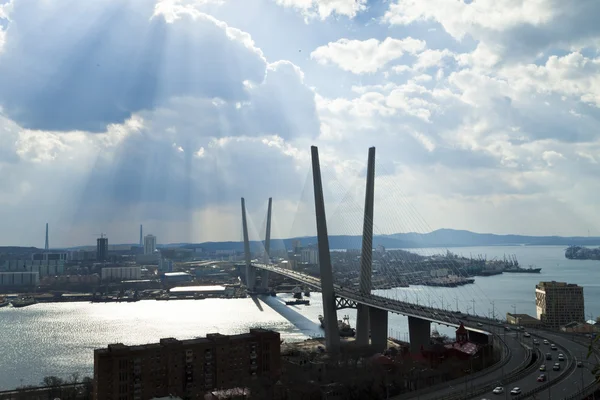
582	253
441	238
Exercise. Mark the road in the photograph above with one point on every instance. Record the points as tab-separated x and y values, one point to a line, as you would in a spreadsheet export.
518	355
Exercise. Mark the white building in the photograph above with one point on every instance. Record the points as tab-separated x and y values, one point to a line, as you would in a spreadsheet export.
121	273
149	244
20	278
309	255
42	267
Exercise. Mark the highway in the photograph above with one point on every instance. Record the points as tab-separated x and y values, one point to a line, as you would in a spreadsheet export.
565	382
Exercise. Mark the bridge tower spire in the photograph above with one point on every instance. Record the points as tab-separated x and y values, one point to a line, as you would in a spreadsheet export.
366	258
265	274
250	275
332	334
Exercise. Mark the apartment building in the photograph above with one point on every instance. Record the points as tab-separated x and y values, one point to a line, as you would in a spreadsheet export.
559	303
185	368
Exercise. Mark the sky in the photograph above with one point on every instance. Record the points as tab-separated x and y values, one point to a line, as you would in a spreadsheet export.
484	115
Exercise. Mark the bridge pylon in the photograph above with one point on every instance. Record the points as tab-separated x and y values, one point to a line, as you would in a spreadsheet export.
250	271
264	283
332	334
366	259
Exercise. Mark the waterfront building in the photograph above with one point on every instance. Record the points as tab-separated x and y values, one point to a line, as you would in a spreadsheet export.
559	303
121	273
149	244
48	267
102	249
20	278
185	368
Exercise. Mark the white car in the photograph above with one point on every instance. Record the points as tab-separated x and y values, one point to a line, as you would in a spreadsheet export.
515	391
526	334
498	390
561	357
546	342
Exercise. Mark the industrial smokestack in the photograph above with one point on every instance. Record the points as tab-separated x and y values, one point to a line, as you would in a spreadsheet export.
46	246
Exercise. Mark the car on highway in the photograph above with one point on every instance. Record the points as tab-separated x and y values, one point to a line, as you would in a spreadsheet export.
506	328
515	391
579	364
527	334
556	367
548	356
553	347
536	342
479	324
498	390
546	341
543	367
561	357
541	378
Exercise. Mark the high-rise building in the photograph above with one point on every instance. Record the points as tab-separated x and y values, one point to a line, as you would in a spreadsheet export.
141	236
102	248
309	255
149	244
185	368
558	303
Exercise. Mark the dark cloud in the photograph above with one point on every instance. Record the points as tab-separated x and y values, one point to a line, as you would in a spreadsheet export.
83	65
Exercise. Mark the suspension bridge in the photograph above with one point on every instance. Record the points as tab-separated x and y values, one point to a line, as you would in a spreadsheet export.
373	308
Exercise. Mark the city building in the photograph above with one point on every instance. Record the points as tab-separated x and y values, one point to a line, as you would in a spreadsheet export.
559	303
82	255
21	278
121	273
50	256
185	368
42	267
149	244
309	255
524	320
102	248
176	277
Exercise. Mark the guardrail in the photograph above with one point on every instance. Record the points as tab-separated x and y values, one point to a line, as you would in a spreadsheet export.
549	383
491	383
506	356
592	387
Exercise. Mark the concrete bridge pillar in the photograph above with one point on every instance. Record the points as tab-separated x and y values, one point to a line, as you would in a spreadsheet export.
264	283
250	270
366	258
332	333
419	332
378	322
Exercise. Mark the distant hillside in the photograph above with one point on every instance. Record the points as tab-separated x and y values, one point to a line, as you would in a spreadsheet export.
440	238
460	238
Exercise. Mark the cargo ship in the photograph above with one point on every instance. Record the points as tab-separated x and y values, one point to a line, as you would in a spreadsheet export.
343	326
297	302
530	270
23	302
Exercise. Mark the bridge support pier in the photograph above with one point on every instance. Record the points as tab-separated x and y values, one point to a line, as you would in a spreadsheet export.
362	325
419	332
378	321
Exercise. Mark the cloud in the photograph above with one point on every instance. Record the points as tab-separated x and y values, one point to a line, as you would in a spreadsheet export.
365	56
166	113
115	61
324	8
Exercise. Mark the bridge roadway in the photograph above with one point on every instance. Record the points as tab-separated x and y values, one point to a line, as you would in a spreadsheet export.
566	386
439	316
